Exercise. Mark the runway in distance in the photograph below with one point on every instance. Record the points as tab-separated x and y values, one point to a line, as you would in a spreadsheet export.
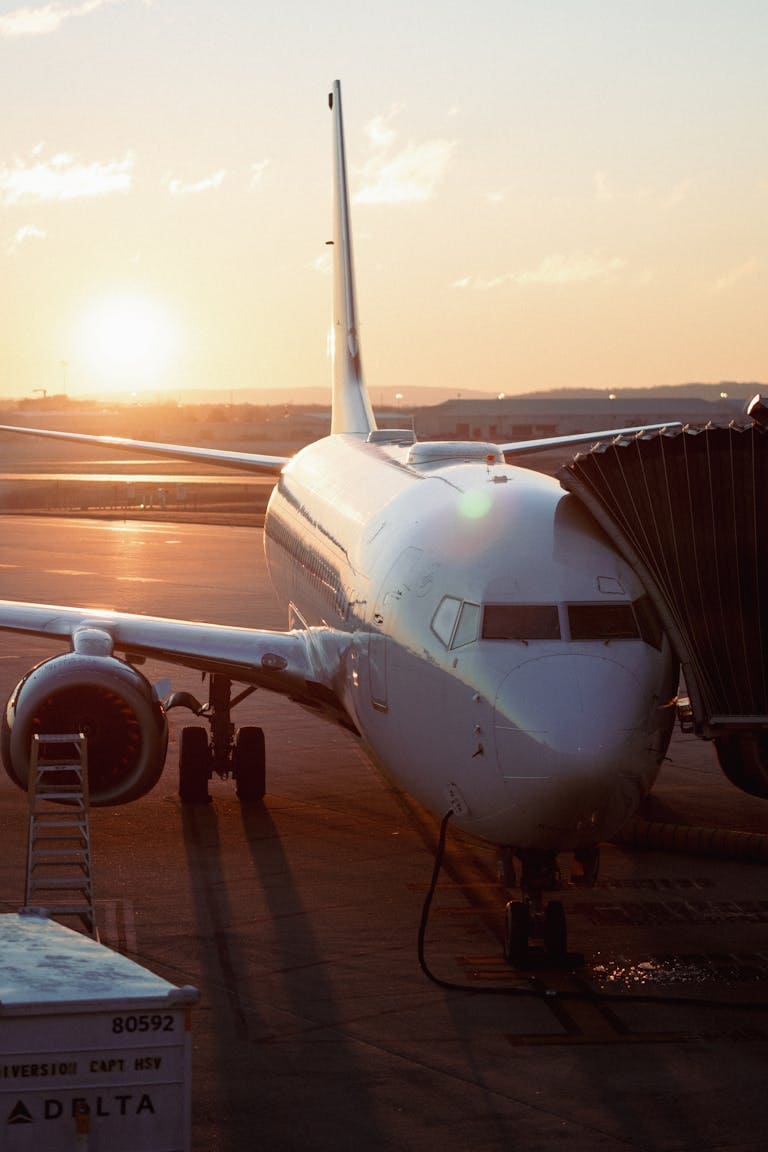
464	618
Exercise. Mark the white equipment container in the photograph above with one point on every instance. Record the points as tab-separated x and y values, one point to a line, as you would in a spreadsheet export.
95	1051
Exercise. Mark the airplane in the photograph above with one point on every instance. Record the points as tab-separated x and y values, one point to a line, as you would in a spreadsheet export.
463	617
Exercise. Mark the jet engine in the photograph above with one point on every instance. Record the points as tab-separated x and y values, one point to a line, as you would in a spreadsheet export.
107	700
744	760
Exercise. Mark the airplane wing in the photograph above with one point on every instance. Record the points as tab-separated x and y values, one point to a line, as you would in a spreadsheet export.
522	447
273	465
300	663
242	461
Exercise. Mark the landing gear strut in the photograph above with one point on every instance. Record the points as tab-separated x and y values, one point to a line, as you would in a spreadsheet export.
533	917
228	751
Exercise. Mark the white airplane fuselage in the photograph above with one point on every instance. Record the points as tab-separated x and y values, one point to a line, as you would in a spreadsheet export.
544	739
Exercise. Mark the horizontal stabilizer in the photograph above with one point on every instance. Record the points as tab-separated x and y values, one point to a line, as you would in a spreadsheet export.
521	447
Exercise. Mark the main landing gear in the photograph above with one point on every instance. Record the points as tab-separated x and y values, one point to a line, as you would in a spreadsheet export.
533	917
224	750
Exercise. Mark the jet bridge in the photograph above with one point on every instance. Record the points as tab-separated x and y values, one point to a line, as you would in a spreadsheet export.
688	509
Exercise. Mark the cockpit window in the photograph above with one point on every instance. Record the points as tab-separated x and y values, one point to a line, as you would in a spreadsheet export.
444	619
602	622
521	622
468	625
581	621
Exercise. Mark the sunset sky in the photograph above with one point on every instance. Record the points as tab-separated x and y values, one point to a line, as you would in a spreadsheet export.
545	192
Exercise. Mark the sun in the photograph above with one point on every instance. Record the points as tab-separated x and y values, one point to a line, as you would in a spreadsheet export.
128	342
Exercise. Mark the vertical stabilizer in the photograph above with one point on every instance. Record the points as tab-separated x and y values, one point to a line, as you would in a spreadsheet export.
352	410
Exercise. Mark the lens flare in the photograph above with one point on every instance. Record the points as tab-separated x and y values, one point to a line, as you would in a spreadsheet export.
475	505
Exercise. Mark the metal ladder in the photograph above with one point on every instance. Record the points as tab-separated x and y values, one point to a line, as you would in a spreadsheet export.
59	874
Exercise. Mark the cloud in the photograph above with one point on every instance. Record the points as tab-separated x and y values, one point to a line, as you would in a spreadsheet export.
735	275
381	135
410	174
603	186
206	184
63	177
553	271
25	234
257	171
322	264
668	198
49	18
679	193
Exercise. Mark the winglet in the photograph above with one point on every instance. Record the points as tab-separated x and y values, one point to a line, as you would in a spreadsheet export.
352	411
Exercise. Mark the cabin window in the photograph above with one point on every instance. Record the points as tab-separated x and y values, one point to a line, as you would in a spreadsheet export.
468	626
602	622
444	619
521	622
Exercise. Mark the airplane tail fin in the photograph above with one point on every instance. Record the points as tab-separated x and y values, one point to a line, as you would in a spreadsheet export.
352	411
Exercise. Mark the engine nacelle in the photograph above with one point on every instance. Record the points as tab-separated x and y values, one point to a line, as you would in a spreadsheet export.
105	699
744	759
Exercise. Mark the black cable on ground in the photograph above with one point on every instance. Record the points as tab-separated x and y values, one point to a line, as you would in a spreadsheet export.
542	992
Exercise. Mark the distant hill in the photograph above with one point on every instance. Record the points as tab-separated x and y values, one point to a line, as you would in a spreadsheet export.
419	396
732	388
422	396
393	398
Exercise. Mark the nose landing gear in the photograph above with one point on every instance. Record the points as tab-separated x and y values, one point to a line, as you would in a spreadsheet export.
535	918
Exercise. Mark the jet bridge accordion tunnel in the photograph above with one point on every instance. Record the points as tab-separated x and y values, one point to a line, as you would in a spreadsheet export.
688	509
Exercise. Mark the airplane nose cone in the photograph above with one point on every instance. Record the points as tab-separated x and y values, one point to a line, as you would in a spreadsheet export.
564	710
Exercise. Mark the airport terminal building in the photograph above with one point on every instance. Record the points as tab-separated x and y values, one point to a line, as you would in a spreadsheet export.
525	417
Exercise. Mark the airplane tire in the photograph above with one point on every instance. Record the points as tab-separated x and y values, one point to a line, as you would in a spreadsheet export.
249	764
744	760
517	929
194	765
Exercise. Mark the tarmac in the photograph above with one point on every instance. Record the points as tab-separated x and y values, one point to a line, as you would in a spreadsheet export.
298	920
